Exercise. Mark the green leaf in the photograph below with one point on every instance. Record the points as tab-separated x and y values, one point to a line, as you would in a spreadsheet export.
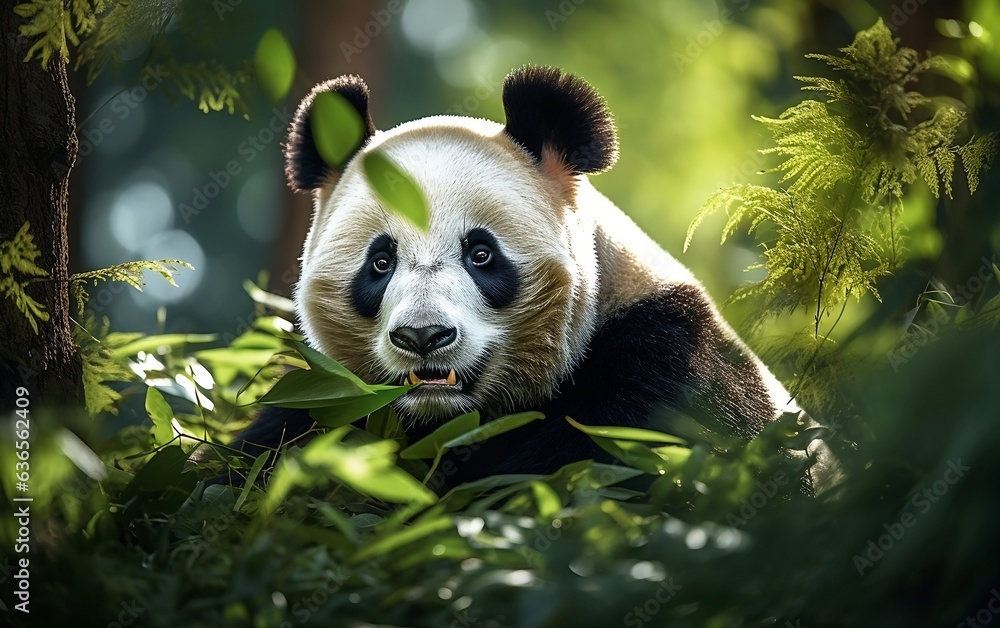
162	471
226	362
386	543
351	409
150	344
369	469
339	520
274	63
633	453
608	474
100	364
494	428
547	499
390	484
384	423
320	362
697	458
310	389
162	416
396	189
627	433
430	445
255	469
337	128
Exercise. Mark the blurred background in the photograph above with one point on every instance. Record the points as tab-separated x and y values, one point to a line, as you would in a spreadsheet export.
157	178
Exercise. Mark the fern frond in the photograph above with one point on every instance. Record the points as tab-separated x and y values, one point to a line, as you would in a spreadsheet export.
846	161
20	252
55	24
124	25
100	366
945	161
211	84
130	273
18	268
977	155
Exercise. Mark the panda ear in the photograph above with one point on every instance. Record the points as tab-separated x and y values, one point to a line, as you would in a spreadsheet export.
557	115
304	167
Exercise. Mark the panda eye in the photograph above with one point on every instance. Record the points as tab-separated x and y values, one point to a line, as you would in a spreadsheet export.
382	263
480	255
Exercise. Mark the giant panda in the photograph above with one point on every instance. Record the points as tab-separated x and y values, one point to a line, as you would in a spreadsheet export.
529	291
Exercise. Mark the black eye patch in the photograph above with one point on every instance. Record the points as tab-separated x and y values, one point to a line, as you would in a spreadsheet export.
493	273
369	284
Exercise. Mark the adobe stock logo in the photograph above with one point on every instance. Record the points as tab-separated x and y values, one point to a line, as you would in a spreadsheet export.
92	134
923	500
363	35
902	12
256	143
700	41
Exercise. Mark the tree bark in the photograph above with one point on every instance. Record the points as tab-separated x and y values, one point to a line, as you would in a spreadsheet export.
39	147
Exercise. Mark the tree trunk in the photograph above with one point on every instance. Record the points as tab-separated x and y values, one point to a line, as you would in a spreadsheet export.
37	130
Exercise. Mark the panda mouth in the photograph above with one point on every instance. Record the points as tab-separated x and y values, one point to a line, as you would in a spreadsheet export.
437	378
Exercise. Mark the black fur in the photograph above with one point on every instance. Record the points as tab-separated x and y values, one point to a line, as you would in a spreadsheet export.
272	428
546	108
656	360
656	364
305	169
368	286
497	281
661	363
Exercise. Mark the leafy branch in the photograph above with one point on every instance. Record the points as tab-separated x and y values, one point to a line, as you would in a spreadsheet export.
211	84
848	159
55	24
129	273
100	30
18	268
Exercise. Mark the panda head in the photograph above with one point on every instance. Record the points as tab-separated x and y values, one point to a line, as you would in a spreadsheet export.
494	304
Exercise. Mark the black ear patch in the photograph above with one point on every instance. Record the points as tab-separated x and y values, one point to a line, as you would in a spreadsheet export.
304	167
545	108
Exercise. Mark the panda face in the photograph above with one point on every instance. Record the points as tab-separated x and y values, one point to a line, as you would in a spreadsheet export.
488	309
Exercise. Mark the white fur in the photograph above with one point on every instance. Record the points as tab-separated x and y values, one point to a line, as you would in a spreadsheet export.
469	180
472	176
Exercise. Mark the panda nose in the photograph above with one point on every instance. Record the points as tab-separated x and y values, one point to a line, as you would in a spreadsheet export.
423	340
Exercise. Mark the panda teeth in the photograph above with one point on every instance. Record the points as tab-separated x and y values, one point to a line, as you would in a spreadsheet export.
451	379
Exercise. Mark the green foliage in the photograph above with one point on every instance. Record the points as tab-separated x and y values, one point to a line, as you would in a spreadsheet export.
102	29
367	468
274	65
129	273
835	229
396	189
55	24
211	84
162	416
337	128
344	530
121	25
17	263
335	395
101	364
